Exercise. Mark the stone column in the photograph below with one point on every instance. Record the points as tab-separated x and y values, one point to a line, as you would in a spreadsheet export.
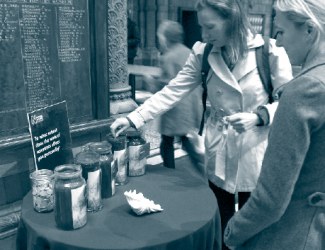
119	89
173	11
162	13
150	52
142	22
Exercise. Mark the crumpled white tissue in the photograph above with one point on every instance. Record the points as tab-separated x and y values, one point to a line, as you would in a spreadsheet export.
140	204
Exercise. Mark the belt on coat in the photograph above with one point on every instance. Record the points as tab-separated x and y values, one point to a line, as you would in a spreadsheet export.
317	199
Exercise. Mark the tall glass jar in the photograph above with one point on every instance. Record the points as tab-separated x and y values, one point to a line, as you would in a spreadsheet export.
42	190
70	197
106	162
137	157
91	171
120	156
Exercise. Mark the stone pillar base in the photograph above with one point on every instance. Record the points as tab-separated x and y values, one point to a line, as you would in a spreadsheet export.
121	101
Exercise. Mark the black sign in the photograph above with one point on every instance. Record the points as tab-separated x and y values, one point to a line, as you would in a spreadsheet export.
50	135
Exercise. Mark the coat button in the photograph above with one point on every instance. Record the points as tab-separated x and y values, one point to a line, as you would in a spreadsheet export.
219	92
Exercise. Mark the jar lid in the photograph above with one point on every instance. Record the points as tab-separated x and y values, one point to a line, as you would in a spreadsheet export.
102	147
117	143
42	174
67	171
87	157
134	133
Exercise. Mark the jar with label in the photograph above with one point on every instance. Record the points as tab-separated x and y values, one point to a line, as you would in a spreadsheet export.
70	197
120	157
91	171
106	162
137	156
42	190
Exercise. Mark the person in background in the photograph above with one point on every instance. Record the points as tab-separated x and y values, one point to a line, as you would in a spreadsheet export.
241	114
133	39
287	208
185	117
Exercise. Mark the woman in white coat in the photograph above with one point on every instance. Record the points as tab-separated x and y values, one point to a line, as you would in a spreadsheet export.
240	117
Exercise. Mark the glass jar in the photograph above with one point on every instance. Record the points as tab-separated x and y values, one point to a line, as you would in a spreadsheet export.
92	173
70	197
120	157
137	158
106	162
42	190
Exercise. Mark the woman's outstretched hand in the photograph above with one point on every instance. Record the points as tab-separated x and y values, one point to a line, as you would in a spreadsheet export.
119	125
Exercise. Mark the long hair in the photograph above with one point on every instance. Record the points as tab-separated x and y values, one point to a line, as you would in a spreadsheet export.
239	27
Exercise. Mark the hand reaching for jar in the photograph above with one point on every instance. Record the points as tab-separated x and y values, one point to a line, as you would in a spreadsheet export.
119	125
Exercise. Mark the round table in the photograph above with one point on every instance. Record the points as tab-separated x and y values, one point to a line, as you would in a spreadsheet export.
190	219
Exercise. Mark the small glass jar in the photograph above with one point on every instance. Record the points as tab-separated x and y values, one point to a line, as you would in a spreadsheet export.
120	156
137	158
106	162
92	173
42	190
70	197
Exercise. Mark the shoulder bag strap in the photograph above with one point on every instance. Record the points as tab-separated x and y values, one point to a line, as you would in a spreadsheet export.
204	73
263	66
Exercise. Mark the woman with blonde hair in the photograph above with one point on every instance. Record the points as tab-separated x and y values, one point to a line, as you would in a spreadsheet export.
287	208
237	128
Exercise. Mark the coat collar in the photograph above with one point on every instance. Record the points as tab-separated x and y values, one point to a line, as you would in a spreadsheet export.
316	61
242	67
221	70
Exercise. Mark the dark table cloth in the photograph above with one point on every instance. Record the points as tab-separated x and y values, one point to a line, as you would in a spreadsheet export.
190	219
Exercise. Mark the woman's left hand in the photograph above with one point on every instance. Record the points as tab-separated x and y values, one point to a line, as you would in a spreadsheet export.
242	122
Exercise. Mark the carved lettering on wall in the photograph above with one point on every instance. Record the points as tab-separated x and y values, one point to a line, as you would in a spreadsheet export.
44	58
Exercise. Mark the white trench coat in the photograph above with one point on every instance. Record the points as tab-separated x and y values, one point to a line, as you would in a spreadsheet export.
233	160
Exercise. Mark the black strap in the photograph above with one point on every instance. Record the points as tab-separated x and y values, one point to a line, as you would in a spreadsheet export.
263	66
204	74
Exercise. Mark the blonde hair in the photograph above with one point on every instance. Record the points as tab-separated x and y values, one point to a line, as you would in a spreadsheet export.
302	11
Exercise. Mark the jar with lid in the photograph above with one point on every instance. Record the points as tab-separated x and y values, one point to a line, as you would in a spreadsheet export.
106	162
42	190
70	197
137	149
91	171
120	156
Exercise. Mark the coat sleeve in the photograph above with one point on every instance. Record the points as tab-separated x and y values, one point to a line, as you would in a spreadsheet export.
179	87
296	119
281	73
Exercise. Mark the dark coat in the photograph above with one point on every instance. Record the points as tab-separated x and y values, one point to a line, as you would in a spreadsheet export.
287	209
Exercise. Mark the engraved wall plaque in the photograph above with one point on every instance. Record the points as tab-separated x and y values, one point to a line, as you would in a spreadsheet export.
44	58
